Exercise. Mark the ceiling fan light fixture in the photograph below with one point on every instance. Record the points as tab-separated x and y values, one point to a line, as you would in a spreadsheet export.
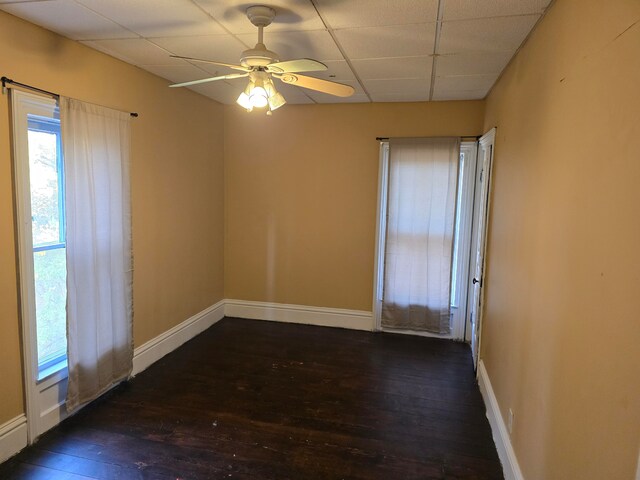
276	101
260	65
244	101
258	97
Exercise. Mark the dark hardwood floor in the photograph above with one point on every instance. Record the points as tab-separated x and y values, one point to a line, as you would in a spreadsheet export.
261	400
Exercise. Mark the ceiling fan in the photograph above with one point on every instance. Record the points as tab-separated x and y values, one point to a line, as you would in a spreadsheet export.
262	65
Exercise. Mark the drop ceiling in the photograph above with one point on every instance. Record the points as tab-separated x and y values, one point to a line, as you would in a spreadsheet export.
388	50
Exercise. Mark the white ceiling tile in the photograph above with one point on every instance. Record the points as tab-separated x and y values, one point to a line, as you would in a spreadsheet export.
464	9
316	44
396	41
136	51
472	63
68	18
298	101
291	15
401	97
485	35
176	73
213	70
219	91
337	70
221	48
157	18
443	94
398	67
368	13
466	82
416	86
319	97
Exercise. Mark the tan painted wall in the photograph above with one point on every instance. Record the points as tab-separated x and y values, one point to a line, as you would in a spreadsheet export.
561	338
301	194
177	186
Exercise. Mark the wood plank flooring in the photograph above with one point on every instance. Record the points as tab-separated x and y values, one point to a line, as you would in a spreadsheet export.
260	400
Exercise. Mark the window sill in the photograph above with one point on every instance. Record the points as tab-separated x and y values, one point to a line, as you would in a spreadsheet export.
53	374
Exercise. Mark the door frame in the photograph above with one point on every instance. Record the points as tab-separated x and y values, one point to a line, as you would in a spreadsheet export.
463	237
485	166
457	328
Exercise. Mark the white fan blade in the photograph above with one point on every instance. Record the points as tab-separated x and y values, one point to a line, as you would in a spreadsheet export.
325	86
211	79
299	65
228	65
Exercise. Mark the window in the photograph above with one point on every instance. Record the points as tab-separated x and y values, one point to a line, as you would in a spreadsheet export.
41	198
455	287
46	175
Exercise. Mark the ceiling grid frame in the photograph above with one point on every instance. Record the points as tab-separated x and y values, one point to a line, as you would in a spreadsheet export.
344	55
436	46
381	56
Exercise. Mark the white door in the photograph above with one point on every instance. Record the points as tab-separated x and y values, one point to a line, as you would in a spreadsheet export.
479	240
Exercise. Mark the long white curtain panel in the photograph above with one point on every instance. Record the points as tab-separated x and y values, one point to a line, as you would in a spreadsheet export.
99	261
419	239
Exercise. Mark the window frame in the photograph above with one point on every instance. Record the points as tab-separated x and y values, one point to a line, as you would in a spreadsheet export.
51	125
38	375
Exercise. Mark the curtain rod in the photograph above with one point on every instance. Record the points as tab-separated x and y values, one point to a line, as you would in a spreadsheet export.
6	80
386	139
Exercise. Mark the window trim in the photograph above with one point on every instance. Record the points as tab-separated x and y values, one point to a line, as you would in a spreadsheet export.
42	387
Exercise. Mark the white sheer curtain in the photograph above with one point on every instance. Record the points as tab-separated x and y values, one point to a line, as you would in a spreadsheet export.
99	277
420	225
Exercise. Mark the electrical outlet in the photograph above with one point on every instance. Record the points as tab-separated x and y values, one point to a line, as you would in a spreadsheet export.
510	421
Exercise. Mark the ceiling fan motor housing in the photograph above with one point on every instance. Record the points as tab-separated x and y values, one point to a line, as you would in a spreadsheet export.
261	15
258	56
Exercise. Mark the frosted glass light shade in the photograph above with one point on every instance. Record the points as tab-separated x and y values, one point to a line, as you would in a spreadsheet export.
244	101
258	97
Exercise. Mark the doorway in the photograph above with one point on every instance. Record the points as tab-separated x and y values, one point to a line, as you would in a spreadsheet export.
481	209
467	243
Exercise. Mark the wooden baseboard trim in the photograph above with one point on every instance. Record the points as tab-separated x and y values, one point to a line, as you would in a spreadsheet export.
156	348
501	437
280	312
13	437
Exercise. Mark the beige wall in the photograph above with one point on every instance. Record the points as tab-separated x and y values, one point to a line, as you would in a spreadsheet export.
177	186
561	338
301	194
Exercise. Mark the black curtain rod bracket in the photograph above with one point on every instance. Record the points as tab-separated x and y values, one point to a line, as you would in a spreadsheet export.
6	80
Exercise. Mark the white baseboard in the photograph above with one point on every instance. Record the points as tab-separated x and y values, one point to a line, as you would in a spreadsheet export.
281	312
501	436
156	348
13	437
